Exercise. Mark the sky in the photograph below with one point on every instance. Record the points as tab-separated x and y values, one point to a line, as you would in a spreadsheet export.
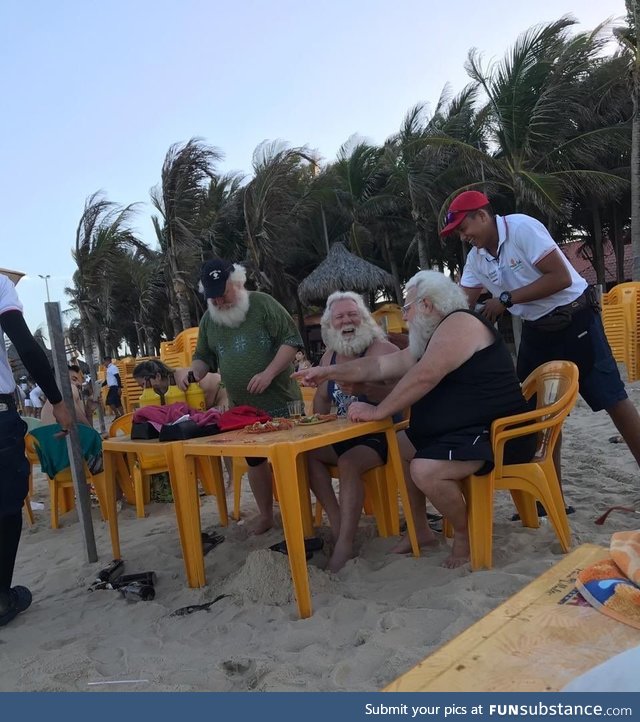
93	94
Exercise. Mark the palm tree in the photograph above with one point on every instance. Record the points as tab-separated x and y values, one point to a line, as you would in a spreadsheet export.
102	236
275	203
533	110
628	37
180	198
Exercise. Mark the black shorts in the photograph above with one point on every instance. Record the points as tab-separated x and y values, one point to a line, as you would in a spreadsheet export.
377	442
113	397
472	444
584	342
14	467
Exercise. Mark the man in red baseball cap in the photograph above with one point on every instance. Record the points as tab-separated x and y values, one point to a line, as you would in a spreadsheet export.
520	264
461	206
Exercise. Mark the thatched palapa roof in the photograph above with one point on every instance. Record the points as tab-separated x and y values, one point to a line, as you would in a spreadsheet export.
342	271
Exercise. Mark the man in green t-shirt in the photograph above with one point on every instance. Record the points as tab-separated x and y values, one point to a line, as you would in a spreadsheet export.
252	340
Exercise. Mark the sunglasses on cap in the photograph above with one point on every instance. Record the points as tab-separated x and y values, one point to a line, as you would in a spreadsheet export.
451	215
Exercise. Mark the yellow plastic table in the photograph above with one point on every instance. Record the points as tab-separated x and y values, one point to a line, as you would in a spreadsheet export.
284	449
536	641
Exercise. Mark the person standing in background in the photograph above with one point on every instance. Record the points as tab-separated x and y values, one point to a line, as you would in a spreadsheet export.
114	382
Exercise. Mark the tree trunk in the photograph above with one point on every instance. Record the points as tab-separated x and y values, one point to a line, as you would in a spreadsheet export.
301	326
393	266
182	299
598	251
618	242
635	154
88	355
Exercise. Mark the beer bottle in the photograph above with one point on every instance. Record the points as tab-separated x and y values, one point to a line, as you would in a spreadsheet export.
148	397
195	395
173	394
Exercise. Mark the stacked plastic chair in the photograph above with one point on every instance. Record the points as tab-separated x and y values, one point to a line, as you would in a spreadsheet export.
178	353
620	317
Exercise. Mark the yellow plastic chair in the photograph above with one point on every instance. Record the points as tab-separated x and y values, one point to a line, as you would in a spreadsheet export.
135	475
63	482
556	386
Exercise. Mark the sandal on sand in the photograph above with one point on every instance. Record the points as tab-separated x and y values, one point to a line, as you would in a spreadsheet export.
543	512
183	611
314	544
209	541
19	599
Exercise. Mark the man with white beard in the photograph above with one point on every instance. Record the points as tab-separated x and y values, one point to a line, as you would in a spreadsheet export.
458	377
252	340
348	332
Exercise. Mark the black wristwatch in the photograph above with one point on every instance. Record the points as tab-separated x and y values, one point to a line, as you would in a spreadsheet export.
505	299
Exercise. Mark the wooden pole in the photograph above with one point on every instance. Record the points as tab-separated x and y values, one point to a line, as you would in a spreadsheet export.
83	502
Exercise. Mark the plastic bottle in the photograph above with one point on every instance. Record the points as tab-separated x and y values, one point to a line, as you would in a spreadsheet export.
173	394
112	571
195	395
148	397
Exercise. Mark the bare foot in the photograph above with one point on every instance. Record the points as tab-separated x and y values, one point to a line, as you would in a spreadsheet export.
260	524
427	539
460	552
339	558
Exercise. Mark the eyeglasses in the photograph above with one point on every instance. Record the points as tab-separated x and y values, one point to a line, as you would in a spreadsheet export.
407	306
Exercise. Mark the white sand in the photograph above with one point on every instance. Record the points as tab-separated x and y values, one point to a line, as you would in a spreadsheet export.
373	621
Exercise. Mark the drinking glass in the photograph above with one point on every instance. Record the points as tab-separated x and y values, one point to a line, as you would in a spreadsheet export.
295	409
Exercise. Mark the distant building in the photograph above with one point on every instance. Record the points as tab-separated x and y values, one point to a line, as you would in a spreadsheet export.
587	271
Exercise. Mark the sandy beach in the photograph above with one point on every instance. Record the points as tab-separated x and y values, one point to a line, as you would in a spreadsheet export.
373	621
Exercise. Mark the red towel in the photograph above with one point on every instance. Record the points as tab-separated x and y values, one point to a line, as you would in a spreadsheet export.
240	416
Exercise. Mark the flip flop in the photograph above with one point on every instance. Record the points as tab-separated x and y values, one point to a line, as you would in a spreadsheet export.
183	611
543	512
209	541
19	600
314	544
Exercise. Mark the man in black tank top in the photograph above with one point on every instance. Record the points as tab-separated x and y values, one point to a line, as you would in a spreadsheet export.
457	376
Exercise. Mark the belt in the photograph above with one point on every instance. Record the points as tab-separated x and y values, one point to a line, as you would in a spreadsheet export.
581	302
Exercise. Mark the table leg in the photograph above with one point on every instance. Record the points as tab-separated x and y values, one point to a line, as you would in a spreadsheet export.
396	465
210	472
185	497
284	464
305	495
110	494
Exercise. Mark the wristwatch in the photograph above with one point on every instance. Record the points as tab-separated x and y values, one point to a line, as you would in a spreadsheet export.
505	299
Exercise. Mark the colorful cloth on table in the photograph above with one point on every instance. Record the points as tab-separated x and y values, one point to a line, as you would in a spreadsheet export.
608	585
235	418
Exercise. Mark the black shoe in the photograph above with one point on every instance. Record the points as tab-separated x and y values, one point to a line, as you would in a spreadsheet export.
543	512
18	599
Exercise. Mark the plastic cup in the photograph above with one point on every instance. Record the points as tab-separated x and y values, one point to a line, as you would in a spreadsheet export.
295	409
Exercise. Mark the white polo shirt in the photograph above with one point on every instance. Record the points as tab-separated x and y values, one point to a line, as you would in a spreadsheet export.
9	301
522	243
112	372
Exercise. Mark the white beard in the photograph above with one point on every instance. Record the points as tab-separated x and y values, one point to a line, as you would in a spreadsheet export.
351	345
234	316
420	332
